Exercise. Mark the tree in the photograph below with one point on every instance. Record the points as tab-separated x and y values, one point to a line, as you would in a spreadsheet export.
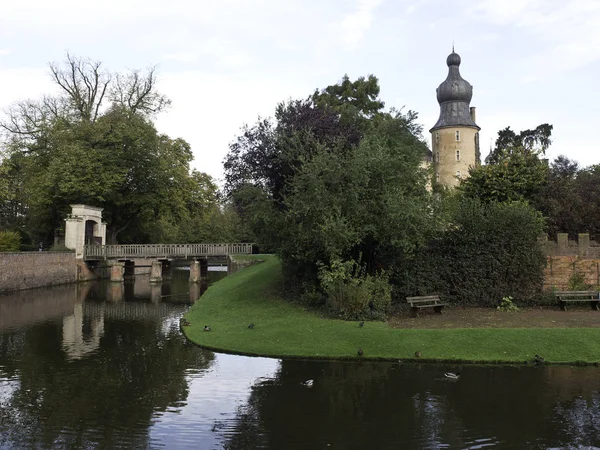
95	143
559	200
520	176
514	170
588	191
334	182
534	141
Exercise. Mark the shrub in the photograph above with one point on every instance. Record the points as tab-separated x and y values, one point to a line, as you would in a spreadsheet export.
507	305
10	241
484	252
577	282
352	294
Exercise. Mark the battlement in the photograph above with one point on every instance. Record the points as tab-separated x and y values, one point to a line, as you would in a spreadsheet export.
563	246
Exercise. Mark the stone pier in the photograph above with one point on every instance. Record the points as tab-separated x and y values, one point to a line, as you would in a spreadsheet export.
198	270
156	272
195	272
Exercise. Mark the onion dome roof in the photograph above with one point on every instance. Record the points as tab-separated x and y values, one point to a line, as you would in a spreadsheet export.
454	96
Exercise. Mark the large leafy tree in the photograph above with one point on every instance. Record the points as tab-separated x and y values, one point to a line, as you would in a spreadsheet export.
570	199
332	179
534	141
95	143
514	170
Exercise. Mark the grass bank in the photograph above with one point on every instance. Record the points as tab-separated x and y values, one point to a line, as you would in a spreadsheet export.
282	329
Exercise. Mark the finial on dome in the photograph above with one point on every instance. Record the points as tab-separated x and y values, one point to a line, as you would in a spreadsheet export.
453	59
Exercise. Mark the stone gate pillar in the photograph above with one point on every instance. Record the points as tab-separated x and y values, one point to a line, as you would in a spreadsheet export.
84	226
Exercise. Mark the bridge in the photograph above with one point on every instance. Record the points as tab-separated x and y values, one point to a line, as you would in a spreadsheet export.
163	251
122	259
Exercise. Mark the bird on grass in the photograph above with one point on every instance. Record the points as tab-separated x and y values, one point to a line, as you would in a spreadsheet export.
251	326
360	352
537	359
417	354
361	324
452	375
308	383
184	322
206	328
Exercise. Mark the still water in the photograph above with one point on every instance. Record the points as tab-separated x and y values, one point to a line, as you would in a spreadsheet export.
105	366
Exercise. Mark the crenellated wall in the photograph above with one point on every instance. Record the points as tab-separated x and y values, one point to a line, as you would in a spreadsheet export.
567	257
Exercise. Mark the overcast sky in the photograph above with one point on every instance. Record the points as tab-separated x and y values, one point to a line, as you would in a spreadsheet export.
224	63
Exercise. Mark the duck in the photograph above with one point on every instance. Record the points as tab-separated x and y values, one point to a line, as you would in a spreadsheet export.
308	383
361	324
184	322
360	352
206	328
537	359
417	354
452	375
251	326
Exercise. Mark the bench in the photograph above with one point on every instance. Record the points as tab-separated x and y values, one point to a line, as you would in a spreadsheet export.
565	297
425	301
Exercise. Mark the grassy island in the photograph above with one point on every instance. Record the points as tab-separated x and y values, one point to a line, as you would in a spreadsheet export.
284	329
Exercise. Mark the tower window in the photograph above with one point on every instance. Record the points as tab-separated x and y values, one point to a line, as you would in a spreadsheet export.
437	177
458	135
458	174
437	137
458	155
437	156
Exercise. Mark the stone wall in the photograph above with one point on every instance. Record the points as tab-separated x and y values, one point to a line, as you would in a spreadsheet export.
567	257
27	270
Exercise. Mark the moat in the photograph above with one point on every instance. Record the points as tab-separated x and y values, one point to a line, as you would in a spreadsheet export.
104	365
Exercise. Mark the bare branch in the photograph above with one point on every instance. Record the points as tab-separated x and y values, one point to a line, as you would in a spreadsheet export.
137	92
84	83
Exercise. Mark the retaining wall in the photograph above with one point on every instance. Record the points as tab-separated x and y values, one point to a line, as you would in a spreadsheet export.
28	270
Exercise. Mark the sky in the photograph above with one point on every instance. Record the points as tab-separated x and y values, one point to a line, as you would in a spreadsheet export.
226	63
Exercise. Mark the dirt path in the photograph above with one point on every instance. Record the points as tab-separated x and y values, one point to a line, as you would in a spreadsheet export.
540	317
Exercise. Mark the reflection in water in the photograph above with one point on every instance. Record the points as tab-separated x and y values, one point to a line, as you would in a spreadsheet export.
385	405
104	365
78	342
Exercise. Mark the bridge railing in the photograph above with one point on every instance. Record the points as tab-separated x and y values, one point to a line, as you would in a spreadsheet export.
163	250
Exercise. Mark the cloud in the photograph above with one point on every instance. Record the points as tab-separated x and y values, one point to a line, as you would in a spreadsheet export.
22	83
209	109
568	30
356	24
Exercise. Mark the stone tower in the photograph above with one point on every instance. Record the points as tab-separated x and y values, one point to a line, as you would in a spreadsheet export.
455	136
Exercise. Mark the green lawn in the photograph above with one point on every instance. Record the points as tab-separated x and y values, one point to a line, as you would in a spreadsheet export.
284	329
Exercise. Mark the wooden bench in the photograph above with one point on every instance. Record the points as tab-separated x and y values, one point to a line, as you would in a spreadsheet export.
565	297
425	301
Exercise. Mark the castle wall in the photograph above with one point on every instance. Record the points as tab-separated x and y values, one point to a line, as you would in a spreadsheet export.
445	162
569	257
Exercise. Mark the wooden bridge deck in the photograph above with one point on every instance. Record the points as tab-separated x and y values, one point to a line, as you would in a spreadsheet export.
163	251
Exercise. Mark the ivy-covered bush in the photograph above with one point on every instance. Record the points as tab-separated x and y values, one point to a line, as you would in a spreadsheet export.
353	294
486	252
9	241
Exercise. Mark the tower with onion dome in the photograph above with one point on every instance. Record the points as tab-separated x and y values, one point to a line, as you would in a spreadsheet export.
455	136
